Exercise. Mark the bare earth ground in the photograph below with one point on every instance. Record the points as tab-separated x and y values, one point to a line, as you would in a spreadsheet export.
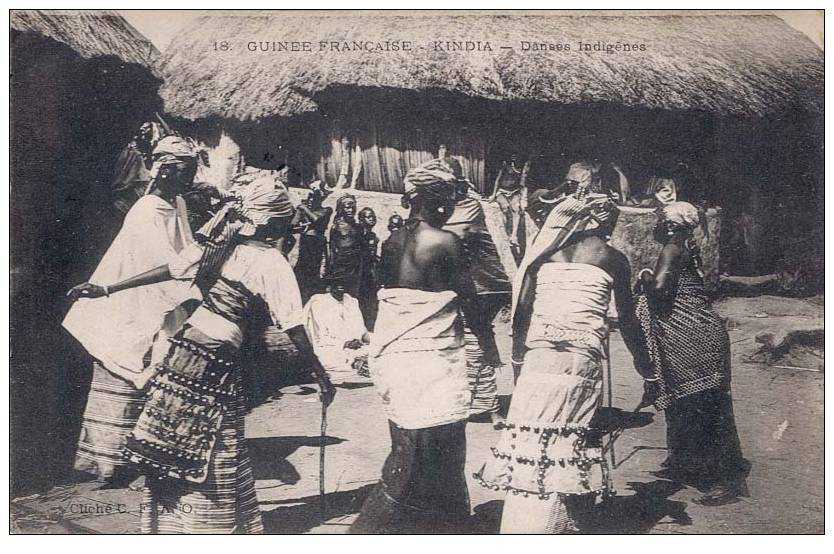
779	413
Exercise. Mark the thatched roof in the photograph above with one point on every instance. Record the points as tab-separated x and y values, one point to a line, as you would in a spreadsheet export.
90	33
728	64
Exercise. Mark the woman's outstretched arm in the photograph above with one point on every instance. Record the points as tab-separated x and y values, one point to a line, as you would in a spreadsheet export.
89	290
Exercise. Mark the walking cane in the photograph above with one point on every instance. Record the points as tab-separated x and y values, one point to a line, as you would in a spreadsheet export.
323	438
610	395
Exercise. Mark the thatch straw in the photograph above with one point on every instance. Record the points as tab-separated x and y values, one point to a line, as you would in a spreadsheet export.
90	33
727	64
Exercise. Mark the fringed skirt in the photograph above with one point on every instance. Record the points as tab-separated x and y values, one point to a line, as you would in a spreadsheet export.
189	440
113	406
423	487
548	451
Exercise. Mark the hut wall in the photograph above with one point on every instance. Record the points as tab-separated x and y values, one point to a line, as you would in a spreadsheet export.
383	152
71	117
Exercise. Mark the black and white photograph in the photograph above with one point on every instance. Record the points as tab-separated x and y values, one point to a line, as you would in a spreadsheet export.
416	272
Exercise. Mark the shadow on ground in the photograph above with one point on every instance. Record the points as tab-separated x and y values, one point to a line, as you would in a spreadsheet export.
305	513
269	455
639	512
609	420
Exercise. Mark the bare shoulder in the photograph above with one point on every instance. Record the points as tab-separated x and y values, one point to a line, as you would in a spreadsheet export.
439	237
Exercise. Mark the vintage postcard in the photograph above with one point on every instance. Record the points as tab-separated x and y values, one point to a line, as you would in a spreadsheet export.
416	272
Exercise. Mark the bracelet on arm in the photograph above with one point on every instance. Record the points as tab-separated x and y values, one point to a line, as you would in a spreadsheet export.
106	291
516	362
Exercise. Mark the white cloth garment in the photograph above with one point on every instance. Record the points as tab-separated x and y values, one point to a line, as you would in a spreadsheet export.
262	270
417	359
570	307
331	323
119	330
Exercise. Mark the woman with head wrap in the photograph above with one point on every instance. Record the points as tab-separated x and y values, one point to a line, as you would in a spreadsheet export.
548	455
126	334
689	349
417	364
189	438
468	222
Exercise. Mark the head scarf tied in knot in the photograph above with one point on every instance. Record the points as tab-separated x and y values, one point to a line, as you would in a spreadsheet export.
434	179
682	214
171	150
571	214
252	206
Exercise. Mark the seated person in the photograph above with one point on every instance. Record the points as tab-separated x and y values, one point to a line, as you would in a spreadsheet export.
337	331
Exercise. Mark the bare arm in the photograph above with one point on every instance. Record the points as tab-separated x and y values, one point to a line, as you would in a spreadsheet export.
522	317
299	338
662	285
89	290
311	215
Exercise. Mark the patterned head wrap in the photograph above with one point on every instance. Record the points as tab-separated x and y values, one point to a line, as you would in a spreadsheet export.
174	149
682	214
571	214
433	179
171	150
252	206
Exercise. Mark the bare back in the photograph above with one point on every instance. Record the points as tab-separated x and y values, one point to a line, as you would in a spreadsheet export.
591	250
420	256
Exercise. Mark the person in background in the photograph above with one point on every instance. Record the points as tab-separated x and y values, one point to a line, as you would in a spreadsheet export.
369	279
126	334
346	251
312	249
689	349
189	438
510	193
333	322
395	222
132	172
418	366
468	223
549	456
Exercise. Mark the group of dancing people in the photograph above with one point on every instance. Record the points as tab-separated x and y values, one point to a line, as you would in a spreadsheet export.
166	312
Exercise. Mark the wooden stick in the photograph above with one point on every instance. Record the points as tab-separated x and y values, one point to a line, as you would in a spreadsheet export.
611	437
323	437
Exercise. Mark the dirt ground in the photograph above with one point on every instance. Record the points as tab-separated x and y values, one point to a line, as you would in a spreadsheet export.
779	412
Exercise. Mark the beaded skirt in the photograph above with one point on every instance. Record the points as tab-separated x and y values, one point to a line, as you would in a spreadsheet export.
187	402
547	444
